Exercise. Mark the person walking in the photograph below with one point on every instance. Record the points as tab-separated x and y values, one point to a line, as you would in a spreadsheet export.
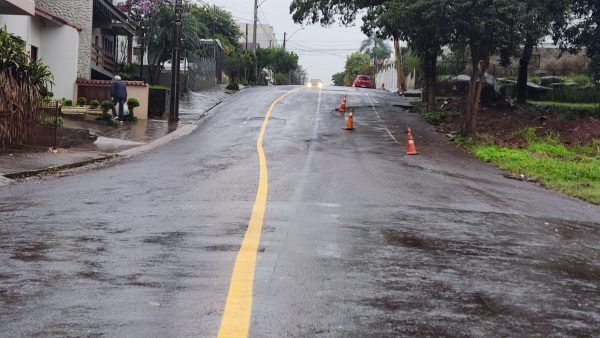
118	94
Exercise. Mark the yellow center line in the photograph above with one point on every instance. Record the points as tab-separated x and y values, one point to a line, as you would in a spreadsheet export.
238	308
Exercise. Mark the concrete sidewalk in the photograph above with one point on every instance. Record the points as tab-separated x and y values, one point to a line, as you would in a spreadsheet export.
112	142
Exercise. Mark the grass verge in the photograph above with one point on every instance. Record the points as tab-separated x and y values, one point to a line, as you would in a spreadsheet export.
590	106
572	170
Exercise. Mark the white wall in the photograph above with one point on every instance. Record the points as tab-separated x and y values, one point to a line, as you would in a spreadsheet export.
57	48
22	26
265	35
60	51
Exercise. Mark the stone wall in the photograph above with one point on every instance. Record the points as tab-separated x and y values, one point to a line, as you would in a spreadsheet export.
78	12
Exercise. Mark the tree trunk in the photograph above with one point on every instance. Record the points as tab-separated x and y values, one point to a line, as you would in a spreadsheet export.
430	74
474	95
523	70
399	66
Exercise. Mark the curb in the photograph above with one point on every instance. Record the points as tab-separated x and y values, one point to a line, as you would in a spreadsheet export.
6	179
53	170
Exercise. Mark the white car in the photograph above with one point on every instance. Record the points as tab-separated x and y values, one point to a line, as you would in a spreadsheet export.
315	83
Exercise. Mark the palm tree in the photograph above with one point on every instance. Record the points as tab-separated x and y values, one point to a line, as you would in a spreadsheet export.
376	48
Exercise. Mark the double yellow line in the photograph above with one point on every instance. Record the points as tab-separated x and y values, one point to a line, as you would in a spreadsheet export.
238	309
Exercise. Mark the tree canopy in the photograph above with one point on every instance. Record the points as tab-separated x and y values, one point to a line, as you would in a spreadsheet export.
486	28
376	48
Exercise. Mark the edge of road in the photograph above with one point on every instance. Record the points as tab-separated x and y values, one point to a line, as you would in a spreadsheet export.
9	178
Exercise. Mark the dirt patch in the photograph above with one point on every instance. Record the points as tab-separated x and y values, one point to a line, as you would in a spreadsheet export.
501	121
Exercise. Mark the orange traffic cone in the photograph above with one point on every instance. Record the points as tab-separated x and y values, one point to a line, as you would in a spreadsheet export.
350	121
410	148
343	105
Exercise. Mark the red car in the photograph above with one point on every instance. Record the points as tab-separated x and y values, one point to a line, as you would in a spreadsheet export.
362	81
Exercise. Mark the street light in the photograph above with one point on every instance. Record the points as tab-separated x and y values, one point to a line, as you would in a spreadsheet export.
285	35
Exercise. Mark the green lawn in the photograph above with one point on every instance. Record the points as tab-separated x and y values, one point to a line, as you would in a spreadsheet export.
572	170
590	106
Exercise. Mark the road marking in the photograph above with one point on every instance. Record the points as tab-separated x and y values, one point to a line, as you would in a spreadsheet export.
238	308
389	132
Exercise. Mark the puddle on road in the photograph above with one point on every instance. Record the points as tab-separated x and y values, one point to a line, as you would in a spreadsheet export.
32	252
115	145
167	238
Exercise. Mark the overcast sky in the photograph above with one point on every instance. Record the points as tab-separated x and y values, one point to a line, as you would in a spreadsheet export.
322	50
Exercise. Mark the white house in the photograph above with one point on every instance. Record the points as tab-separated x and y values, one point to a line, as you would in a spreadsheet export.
17	7
77	39
52	40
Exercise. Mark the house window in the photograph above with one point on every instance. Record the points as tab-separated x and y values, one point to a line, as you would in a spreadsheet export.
108	45
33	54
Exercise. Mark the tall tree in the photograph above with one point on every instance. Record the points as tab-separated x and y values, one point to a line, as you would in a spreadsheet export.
583	33
427	25
376	48
536	23
356	63
487	28
338	79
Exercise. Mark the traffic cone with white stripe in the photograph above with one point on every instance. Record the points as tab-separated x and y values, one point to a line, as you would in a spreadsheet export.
411	149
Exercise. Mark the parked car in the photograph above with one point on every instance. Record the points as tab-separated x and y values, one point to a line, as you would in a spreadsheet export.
362	81
315	83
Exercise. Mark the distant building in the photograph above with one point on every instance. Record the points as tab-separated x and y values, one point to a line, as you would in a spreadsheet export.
265	36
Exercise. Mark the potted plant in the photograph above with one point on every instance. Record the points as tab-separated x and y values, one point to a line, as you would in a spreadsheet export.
94	108
68	109
81	102
132	103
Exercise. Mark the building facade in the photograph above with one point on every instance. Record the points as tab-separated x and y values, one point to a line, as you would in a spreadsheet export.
77	39
265	36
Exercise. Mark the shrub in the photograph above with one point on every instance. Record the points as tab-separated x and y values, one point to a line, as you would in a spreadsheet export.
81	101
53	122
233	86
282	79
107	106
133	103
68	103
436	116
580	79
94	104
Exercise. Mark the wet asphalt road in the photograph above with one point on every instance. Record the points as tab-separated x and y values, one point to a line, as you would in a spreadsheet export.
359	240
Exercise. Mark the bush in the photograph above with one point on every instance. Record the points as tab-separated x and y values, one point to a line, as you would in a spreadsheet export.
107	106
81	101
53	122
233	86
94	104
281	79
68	103
580	79
133	103
436	116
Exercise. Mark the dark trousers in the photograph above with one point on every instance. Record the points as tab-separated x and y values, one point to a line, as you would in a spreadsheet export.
121	103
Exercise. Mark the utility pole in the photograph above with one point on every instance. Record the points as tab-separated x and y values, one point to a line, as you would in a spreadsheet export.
284	38
174	116
254	40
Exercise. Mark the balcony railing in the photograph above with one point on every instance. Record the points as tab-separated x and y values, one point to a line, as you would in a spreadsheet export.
102	59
